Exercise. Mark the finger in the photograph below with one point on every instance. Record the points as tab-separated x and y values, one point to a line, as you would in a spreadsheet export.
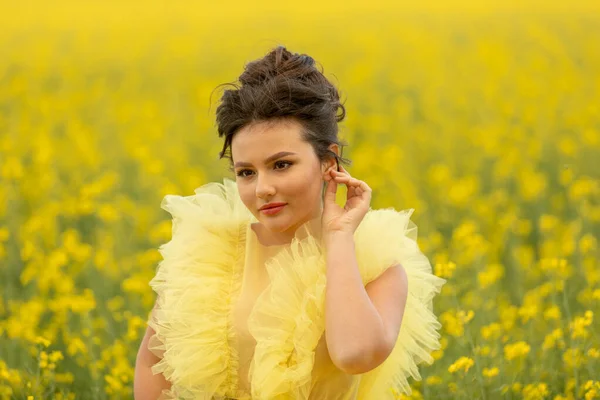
330	190
343	172
351	181
365	187
339	173
358	185
360	192
351	192
355	188
344	180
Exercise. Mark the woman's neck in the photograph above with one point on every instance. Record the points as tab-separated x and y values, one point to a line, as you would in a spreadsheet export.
268	238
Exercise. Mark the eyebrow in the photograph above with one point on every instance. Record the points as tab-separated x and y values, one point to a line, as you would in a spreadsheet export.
267	160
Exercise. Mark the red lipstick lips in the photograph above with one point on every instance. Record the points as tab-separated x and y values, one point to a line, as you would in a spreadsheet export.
272	208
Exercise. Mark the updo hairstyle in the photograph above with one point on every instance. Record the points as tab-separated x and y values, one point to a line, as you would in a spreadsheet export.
283	85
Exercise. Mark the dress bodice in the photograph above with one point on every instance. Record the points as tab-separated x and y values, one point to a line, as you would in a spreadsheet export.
328	382
254	281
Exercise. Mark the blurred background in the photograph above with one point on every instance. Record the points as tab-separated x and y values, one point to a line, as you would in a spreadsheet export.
483	116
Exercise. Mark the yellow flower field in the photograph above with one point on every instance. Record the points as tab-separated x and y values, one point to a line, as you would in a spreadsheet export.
485	119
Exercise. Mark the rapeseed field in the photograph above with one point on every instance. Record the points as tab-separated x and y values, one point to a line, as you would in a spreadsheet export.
485	118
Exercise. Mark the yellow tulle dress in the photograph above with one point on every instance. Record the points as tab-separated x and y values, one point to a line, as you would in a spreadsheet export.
239	320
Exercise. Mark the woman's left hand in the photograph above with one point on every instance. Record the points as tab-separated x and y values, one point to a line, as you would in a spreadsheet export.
346	220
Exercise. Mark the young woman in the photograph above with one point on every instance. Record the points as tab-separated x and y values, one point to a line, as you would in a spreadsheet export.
269	289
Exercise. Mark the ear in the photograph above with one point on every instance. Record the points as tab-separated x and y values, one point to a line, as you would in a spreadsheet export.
330	161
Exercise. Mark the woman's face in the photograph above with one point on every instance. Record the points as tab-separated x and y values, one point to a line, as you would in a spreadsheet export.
273	164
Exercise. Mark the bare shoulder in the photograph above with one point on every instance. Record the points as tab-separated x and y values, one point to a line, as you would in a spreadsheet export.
393	278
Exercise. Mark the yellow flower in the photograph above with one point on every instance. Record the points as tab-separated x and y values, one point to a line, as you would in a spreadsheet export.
42	341
593	353
462	190
113	383
531	183
463	363
465	317
415	395
508	316
445	270
573	358
433	380
454	322
483	350
490	275
552	313
557	267
579	325
516	350
570	385
108	213
592	389
66	377
516	387
553	339
76	345
548	222
56	356
582	187
490	372
535	391
528	312
12	168
437	354
567	146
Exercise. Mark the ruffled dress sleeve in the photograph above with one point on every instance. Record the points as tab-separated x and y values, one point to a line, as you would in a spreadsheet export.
384	238
195	283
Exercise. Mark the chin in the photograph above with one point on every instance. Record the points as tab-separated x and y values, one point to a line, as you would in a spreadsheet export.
278	224
275	226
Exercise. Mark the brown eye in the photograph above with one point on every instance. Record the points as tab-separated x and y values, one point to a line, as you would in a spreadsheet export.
241	173
285	163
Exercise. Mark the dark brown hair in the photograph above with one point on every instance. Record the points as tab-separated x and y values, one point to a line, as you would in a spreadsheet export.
283	85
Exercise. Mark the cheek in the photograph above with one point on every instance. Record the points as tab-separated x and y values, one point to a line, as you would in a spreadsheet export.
305	186
247	196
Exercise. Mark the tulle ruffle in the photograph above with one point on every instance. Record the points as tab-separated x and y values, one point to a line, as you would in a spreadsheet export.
287	322
388	237
196	284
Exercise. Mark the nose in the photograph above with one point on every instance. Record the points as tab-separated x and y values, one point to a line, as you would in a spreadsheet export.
264	189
